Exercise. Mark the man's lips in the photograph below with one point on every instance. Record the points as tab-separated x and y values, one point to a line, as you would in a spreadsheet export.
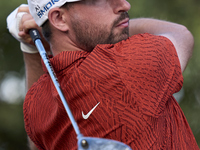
123	23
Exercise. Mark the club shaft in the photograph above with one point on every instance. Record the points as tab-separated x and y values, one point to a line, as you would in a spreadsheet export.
52	74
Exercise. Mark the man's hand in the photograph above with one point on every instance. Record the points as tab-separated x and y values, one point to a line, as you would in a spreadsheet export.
26	23
19	23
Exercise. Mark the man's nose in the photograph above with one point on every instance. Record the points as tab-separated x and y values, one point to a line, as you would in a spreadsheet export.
121	6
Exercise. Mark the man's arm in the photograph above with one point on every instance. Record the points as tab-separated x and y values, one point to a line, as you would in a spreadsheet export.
33	68
32	61
176	33
32	145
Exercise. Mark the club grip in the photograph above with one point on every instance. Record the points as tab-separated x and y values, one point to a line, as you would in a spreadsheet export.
34	34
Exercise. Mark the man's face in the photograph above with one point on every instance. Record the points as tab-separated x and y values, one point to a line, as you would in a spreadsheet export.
99	22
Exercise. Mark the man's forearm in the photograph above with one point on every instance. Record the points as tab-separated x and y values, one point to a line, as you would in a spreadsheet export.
153	26
33	68
178	34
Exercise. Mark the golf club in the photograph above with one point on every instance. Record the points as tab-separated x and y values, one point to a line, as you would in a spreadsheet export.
84	143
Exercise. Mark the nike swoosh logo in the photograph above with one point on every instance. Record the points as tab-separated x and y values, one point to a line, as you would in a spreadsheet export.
88	115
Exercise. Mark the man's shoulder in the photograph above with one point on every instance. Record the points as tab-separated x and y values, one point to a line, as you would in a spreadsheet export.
146	38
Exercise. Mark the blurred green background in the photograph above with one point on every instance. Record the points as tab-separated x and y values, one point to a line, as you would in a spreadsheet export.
12	85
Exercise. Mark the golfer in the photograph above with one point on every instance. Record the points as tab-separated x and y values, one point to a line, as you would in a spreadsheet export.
117	74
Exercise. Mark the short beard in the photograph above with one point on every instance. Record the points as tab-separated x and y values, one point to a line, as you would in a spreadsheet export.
88	36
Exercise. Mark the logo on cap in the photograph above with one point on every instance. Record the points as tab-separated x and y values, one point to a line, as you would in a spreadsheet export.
40	12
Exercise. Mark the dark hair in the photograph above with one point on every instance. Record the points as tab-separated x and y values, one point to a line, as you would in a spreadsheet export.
46	30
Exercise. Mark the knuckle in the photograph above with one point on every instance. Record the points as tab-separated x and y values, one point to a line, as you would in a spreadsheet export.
23	9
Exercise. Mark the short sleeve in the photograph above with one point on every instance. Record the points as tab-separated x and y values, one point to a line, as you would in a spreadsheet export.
149	67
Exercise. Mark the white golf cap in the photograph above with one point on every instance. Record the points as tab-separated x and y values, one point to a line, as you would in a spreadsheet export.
39	9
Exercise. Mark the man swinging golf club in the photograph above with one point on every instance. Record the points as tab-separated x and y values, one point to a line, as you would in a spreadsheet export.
118	75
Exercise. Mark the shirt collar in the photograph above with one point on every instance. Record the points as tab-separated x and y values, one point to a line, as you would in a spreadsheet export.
65	59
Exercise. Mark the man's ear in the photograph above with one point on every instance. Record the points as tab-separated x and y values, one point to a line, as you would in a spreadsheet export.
57	19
